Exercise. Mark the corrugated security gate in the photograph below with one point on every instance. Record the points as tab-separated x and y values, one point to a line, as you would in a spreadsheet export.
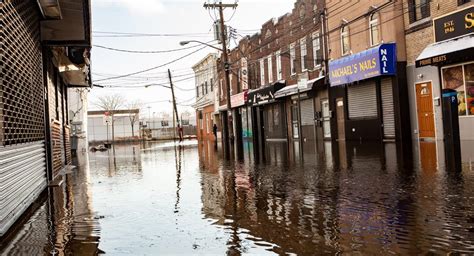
362	100
22	151
307	112
388	109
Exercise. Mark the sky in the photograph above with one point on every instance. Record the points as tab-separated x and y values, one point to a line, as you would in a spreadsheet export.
187	18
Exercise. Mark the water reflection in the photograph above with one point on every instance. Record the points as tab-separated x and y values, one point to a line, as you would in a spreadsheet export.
351	198
61	223
316	198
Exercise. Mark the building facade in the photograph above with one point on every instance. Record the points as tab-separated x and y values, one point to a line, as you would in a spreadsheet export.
368	94
267	104
206	95
45	51
440	55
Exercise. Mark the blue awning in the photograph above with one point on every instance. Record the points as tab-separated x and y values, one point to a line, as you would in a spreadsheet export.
376	61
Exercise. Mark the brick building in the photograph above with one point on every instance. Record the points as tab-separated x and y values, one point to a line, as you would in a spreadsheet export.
368	92
45	50
265	70
440	55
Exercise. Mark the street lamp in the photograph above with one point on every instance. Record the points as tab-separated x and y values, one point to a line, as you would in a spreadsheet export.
183	43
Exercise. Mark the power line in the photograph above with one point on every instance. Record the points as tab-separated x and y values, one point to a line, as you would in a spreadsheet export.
153	68
147	52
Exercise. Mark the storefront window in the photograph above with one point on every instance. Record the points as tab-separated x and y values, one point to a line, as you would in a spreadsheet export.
461	79
276	115
469	80
270	119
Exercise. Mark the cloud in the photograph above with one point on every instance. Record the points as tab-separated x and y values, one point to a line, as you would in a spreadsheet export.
142	7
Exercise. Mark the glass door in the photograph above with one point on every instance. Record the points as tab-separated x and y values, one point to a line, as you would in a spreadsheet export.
326	118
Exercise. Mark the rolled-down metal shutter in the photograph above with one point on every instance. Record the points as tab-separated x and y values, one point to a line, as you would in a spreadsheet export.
362	100
307	112
387	108
22	179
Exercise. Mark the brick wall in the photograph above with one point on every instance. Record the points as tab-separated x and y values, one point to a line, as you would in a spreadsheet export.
355	14
276	35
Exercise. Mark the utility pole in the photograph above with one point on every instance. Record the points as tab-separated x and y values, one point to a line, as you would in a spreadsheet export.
175	115
225	57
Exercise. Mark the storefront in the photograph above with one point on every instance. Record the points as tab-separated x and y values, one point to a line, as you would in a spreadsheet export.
266	116
240	123
366	95
452	56
303	115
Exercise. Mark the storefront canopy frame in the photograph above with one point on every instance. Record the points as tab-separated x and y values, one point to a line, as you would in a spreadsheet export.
445	52
264	95
293	89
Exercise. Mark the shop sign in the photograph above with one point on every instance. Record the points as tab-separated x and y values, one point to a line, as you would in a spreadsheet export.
244	74
264	95
377	61
238	100
454	25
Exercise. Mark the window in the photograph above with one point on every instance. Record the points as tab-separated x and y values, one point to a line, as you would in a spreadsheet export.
262	72
461	79
212	85
316	50
278	63
461	2
292	59
418	9
345	47
206	86
304	53
270	69
374	29
203	90
197	92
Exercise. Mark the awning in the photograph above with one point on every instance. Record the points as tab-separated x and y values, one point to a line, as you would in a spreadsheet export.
68	23
442	53
377	61
293	89
264	95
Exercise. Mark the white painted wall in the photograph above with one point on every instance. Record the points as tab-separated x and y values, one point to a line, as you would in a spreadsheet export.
123	129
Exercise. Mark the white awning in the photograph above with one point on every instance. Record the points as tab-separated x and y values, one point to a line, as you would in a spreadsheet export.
293	89
440	52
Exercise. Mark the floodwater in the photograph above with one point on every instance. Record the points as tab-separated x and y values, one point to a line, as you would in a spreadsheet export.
320	198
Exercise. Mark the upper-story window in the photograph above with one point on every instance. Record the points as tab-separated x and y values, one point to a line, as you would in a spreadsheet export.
304	54
374	29
278	65
262	72
197	91
418	9
461	2
317	56
212	84
292	59
203	90
345	47
270	69
206	86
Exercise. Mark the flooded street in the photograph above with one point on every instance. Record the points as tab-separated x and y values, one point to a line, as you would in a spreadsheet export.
161	198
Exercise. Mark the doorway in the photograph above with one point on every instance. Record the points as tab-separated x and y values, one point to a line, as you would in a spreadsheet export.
341	116
326	119
424	106
294	121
